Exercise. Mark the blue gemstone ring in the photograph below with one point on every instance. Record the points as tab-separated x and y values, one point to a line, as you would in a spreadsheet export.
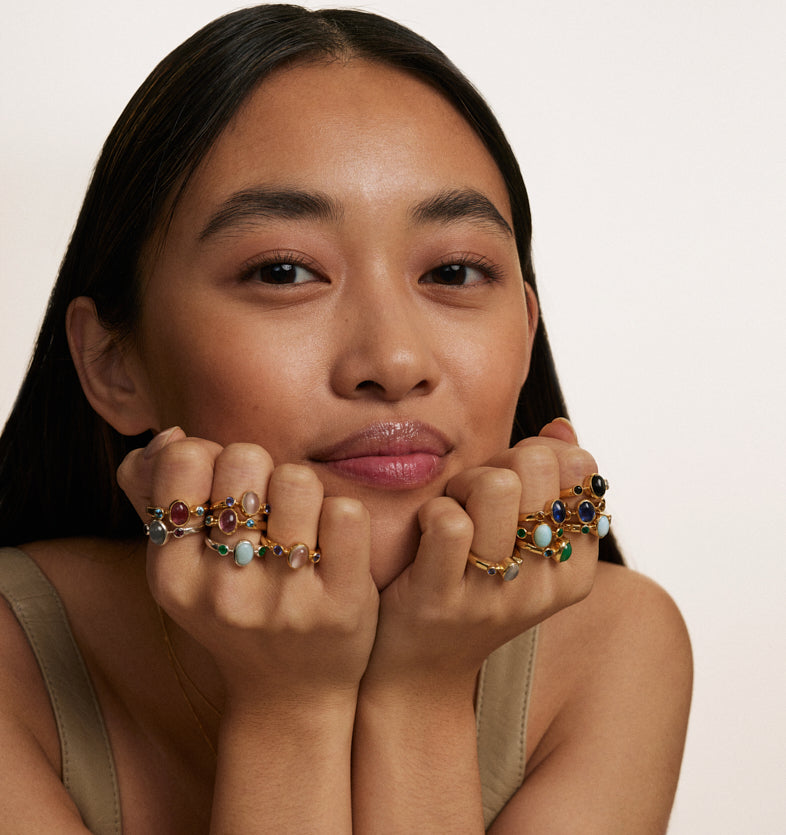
543	533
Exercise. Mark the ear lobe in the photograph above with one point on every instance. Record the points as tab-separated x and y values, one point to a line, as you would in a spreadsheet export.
109	373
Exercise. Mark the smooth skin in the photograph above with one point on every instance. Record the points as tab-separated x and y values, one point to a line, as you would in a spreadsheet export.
339	697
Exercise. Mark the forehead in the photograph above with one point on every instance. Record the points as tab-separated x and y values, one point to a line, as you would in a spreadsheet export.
367	134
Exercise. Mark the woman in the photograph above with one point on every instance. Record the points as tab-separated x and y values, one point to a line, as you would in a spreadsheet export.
300	303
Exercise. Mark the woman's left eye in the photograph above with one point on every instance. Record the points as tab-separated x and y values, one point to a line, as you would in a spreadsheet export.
456	275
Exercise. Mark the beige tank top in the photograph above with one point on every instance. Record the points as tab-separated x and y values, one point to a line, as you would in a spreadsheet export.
504	688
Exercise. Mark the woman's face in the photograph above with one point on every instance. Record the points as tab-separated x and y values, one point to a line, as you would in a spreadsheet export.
340	285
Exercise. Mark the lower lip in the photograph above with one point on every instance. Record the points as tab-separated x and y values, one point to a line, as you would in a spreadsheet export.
396	472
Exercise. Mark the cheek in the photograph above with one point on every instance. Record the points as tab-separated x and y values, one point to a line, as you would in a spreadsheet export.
493	370
229	381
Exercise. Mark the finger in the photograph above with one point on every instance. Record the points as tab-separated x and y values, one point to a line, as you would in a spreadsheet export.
344	542
538	468
295	495
491	497
446	537
575	463
238	496
183	473
135	473
544	475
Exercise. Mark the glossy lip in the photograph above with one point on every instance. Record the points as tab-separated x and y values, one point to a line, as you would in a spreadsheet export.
398	455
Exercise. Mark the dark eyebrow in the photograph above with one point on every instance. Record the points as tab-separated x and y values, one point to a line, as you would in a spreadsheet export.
460	204
274	203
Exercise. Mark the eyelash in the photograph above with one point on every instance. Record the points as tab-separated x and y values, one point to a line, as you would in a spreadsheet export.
271	259
492	272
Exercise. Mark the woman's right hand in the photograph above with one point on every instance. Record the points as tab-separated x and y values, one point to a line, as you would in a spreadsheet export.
275	633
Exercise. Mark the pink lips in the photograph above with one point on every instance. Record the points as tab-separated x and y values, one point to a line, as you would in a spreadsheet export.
396	455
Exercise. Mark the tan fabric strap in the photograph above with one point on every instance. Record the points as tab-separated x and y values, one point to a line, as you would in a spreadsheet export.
87	764
504	688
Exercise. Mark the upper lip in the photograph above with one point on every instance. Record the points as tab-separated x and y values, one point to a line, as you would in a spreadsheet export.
390	438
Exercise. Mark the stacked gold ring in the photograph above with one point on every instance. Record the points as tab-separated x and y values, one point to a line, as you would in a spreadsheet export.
545	532
588	516
231	513
507	570
173	521
243	552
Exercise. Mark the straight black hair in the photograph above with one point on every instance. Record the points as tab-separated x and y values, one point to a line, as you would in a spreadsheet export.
58	458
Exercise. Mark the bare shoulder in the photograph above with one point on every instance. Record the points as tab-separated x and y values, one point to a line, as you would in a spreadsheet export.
609	712
625	646
627	611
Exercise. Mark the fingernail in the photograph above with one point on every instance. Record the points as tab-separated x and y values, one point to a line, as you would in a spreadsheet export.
568	425
160	441
566	422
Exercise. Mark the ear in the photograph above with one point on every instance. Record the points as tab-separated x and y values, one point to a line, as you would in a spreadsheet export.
111	376
533	314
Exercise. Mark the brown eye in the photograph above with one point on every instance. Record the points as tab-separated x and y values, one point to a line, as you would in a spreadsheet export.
454	275
283	273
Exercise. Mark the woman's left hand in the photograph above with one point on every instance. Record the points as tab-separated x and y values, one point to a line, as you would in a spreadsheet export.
442	616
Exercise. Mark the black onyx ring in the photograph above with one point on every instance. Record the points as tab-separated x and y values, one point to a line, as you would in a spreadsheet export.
594	486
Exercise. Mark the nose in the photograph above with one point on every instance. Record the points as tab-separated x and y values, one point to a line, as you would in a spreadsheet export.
386	347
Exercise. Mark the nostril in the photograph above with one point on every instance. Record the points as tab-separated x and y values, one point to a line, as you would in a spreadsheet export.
367	384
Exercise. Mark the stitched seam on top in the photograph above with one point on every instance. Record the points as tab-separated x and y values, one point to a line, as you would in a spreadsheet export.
525	705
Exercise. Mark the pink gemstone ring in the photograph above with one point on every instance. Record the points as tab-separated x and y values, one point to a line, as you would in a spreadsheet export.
178	512
232	514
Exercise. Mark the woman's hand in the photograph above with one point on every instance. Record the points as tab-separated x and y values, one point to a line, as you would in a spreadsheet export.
290	645
441	617
275	633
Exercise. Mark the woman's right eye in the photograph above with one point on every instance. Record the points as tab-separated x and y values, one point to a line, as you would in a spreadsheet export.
282	273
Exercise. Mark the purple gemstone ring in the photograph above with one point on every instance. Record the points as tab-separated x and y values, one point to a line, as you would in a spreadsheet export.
232	514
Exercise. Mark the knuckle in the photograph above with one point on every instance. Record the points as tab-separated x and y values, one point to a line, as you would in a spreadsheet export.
249	459
447	521
185	454
580	461
345	511
537	459
295	478
497	484
182	462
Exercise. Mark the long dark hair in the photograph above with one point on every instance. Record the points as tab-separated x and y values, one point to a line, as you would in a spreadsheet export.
58	458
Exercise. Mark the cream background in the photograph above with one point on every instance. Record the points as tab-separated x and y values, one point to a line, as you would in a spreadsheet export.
652	140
